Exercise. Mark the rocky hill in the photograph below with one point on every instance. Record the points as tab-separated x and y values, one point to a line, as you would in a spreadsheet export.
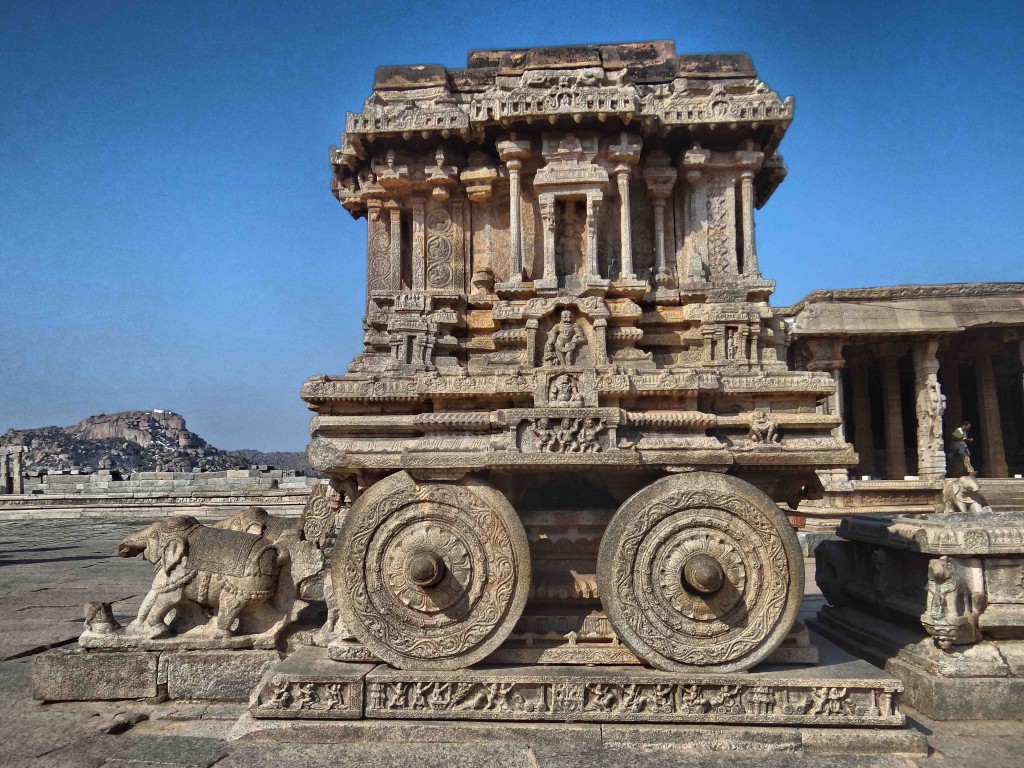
134	440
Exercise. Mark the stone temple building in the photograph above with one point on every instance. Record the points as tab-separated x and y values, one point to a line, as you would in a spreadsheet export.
891	349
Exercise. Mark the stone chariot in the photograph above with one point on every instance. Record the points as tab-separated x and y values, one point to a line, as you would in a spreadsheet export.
572	425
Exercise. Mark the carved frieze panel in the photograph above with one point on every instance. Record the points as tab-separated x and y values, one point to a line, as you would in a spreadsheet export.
616	696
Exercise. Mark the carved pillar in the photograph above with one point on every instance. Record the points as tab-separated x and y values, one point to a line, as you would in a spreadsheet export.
660	178
988	410
930	405
625	229
827	355
547	215
895	449
954	414
695	242
601	341
396	247
864	440
512	152
419	251
661	271
626	153
593	207
750	268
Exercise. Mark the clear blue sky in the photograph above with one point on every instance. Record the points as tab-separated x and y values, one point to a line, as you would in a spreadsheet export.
168	238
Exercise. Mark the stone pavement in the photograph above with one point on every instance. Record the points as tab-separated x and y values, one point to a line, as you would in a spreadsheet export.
48	570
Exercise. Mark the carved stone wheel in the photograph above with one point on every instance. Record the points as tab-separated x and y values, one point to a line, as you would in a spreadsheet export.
700	572
431	576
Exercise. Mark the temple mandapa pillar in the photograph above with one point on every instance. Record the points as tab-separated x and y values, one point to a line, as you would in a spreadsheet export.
895	449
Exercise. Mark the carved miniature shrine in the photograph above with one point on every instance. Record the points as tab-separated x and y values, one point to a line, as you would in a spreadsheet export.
562	462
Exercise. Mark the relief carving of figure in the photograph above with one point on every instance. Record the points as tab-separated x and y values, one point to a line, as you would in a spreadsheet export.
763	428
931	404
566	434
543	435
562	342
564	392
952	605
589	432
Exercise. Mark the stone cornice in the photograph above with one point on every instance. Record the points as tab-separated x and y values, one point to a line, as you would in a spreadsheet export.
901	293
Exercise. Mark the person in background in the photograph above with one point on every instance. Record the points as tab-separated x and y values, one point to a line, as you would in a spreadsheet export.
958	457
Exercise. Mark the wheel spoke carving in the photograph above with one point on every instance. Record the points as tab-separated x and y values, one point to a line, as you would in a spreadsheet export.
700	572
431	575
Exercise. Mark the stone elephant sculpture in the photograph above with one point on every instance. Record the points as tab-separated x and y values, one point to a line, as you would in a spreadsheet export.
963	495
226	570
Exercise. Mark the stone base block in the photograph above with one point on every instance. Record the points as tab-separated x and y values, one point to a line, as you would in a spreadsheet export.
215	675
977	682
858	695
309	685
80	675
591	736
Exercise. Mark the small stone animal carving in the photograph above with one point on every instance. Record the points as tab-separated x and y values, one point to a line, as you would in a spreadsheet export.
960	494
222	569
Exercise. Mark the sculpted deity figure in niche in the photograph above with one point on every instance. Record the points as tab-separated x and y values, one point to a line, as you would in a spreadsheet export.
563	339
565	392
763	428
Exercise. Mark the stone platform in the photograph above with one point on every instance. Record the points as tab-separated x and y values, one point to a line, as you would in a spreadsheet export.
937	601
840	691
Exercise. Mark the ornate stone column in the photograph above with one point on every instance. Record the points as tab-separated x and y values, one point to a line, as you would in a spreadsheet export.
895	449
864	439
395	214
661	178
593	208
930	405
419	258
626	154
512	150
988	410
695	244
827	355
750	268
547	215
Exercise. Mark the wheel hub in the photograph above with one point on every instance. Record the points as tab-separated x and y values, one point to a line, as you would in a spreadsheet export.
425	568
703	573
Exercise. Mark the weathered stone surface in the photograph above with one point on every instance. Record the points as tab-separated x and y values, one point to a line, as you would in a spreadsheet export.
701	571
448	577
77	675
309	685
215	675
842	691
936	600
562	309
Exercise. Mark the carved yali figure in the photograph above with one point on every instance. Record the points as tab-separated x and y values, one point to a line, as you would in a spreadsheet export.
431	575
700	572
